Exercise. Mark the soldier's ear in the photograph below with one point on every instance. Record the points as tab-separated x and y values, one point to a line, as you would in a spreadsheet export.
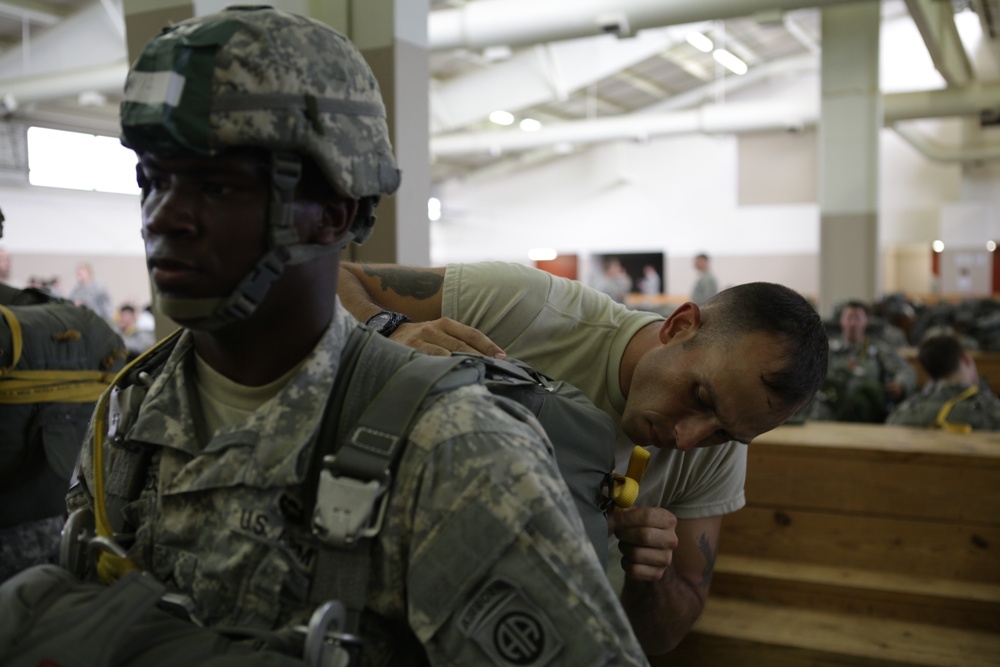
338	214
681	324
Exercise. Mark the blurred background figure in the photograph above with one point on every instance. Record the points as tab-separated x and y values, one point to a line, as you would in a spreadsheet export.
867	376
614	280
49	285
706	286
90	293
953	399
137	336
650	284
4	266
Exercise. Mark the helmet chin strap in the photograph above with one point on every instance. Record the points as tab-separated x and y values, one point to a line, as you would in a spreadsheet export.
284	250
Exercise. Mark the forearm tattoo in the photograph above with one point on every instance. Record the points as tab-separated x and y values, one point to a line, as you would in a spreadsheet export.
407	282
706	549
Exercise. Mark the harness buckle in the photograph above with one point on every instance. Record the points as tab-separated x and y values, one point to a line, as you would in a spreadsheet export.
327	644
348	509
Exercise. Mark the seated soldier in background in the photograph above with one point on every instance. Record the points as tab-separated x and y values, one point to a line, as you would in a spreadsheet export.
953	399
695	387
866	376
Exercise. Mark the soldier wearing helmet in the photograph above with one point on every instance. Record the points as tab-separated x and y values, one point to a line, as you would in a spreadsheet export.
263	149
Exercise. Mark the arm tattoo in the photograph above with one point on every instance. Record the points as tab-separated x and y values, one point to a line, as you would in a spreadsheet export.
706	549
406	282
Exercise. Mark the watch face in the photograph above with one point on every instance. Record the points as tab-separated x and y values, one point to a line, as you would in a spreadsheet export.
376	322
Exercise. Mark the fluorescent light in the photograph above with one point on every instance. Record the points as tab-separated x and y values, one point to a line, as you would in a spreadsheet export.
530	125
542	254
938	246
502	117
729	61
433	209
700	41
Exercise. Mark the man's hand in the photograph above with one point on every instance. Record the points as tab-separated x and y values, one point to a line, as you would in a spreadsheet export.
443	336
647	539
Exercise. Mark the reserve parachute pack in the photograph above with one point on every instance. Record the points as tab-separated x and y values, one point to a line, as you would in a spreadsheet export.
362	434
55	360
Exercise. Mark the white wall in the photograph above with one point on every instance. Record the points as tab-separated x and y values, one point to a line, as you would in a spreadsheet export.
674	195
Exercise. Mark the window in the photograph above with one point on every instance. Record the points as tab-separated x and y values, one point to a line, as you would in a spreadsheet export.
77	161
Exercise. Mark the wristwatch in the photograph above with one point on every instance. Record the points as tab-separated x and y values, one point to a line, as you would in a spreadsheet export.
387	321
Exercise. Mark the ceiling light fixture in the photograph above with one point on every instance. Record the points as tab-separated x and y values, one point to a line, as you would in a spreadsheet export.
530	125
730	61
501	117
542	254
700	41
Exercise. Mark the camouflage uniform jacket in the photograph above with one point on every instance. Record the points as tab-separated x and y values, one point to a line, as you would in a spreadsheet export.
981	411
482	559
874	359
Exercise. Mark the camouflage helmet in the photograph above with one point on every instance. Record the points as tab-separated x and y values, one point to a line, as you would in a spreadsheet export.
260	77
257	77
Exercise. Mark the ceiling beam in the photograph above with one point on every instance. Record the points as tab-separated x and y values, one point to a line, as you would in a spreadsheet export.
936	22
483	23
32	12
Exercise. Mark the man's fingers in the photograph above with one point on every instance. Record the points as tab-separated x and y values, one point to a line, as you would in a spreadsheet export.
645	564
468	339
444	336
637	517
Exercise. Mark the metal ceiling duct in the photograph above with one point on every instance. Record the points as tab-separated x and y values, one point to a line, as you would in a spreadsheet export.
477	25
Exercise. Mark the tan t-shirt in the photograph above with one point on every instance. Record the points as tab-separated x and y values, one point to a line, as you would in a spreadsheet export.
578	335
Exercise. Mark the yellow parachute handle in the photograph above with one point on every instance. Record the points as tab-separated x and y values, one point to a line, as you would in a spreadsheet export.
626	487
111	566
942	416
17	338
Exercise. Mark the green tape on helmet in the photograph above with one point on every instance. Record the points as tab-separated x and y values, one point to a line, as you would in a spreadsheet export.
168	98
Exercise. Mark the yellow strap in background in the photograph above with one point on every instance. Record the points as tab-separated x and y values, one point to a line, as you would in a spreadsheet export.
18	387
21	387
626	487
942	416
17	338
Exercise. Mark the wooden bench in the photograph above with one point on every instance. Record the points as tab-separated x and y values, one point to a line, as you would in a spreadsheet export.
859	545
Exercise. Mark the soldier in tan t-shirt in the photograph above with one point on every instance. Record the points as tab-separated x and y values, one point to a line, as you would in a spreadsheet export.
693	386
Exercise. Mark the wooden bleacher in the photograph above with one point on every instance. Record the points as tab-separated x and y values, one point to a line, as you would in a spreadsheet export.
860	545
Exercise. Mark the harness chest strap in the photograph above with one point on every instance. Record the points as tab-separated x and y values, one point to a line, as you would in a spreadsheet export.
941	421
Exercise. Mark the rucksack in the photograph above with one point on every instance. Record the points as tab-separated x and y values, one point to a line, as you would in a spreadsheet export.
55	360
351	486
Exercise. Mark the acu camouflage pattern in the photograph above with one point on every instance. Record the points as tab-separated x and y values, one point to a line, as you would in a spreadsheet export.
478	518
277	81
981	411
854	387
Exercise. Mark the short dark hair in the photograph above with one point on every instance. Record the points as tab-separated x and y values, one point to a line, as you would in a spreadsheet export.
940	355
701	255
785	314
857	303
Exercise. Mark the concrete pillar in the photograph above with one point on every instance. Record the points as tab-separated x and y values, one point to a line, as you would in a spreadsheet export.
850	120
392	35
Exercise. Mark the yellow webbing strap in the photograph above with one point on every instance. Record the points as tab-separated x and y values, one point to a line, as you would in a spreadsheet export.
626	487
17	338
42	386
110	566
942	416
